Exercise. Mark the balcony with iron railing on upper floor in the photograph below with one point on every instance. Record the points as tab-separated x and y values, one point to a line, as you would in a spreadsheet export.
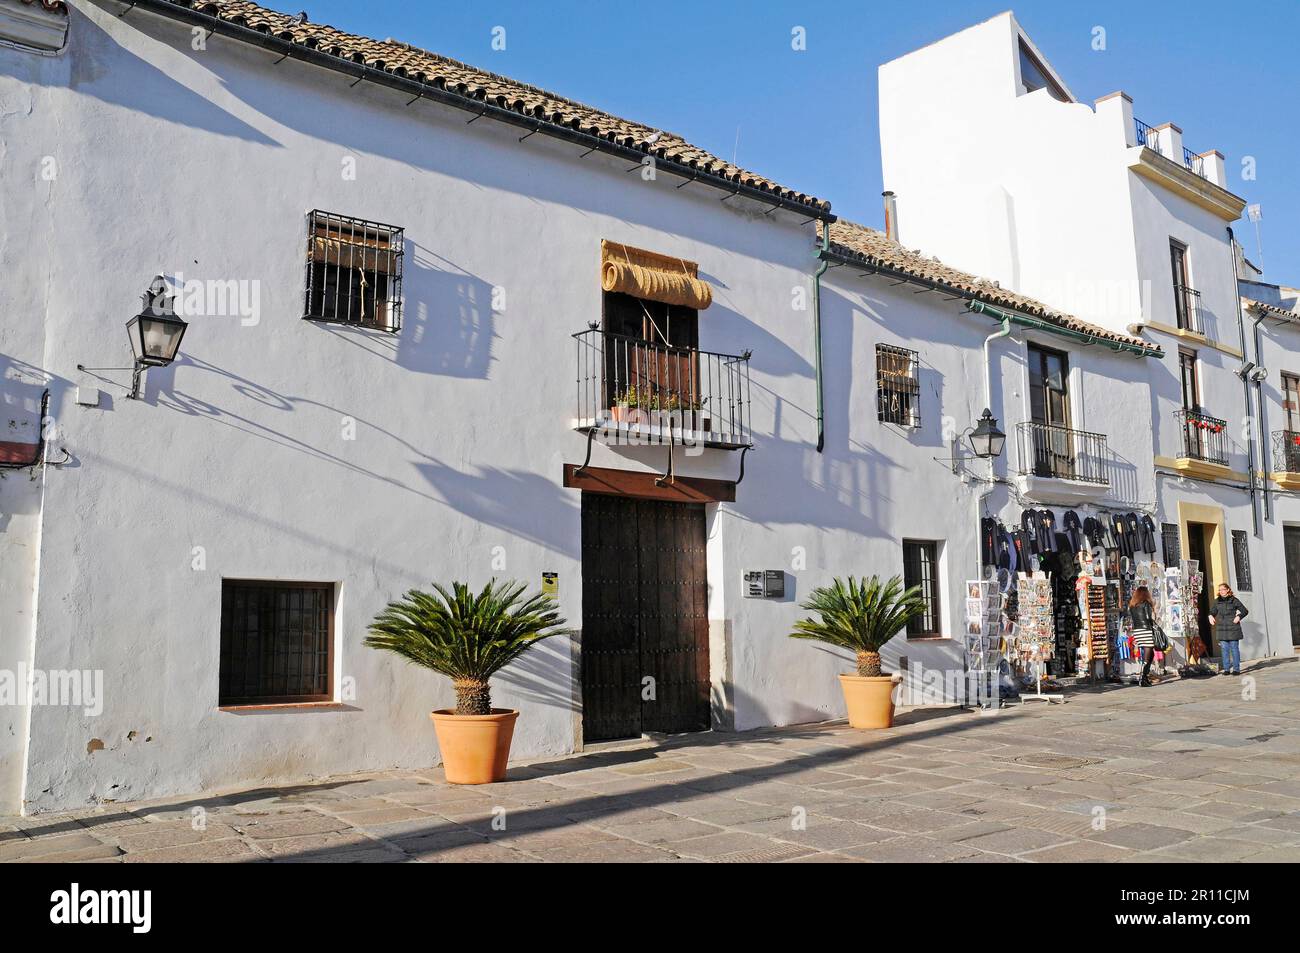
1203	444
1285	462
634	391
1059	464
1062	454
1149	136
1188	310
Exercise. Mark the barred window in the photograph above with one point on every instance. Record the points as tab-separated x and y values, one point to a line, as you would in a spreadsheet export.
1170	543
354	271
898	392
1241	556
277	642
921	568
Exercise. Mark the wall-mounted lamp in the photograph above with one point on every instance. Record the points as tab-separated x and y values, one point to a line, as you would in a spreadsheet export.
155	332
986	440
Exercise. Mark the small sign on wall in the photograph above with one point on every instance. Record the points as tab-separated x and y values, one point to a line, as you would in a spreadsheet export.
765	584
550	583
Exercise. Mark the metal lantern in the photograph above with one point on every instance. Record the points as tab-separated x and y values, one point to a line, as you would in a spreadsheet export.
155	338
155	332
986	440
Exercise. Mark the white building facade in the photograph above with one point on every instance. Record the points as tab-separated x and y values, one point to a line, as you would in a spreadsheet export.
417	349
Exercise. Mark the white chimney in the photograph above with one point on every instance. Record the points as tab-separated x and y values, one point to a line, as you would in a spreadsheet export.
891	216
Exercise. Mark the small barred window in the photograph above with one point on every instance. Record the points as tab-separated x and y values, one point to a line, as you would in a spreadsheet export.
1241	556
1170	543
898	391
354	272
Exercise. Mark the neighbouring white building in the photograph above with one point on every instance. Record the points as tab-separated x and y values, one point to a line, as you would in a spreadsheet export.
441	325
1118	222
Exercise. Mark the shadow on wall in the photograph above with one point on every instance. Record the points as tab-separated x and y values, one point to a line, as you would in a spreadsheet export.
545	675
448	325
492	496
131	82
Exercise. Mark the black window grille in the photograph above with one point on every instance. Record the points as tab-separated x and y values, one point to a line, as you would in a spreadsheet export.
1170	543
277	643
898	391
354	271
1241	557
921	568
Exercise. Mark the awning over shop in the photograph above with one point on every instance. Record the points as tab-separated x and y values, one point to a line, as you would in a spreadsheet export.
654	277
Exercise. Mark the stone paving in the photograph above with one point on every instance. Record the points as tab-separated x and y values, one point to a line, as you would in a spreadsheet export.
1196	770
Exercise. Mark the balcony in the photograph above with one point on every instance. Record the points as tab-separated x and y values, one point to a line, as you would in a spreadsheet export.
1187	305
1203	448
1149	136
1058	464
1161	157
635	392
1286	459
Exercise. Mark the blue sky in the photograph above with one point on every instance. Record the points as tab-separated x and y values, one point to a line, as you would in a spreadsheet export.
1226	73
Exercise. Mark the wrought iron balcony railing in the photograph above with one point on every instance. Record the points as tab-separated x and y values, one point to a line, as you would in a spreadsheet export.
1187	304
641	391
1203	437
1062	453
1286	451
1149	137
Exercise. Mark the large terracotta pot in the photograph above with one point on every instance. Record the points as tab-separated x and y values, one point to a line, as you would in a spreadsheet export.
475	748
870	700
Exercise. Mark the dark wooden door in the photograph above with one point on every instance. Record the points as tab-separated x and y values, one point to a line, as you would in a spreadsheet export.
644	616
1291	549
1196	550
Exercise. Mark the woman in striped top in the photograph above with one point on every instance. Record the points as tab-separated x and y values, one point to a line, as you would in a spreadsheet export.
1141	612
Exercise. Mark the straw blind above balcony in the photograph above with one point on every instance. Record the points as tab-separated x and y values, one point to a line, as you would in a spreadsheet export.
654	277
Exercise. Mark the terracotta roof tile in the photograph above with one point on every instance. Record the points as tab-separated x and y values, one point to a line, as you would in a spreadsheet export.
410	62
1265	308
857	242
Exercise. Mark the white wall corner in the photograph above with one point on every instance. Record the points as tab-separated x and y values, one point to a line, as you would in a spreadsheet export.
1115	113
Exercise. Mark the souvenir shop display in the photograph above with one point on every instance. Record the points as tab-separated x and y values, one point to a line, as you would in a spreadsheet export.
1074	575
1035	641
984	632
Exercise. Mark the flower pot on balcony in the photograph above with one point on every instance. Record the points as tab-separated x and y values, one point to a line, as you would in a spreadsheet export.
627	414
475	748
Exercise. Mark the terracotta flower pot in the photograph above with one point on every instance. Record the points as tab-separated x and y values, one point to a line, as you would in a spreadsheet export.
475	748
870	700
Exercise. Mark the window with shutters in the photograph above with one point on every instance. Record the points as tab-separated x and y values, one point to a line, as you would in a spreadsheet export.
921	569
277	642
354	272
898	389
1241	558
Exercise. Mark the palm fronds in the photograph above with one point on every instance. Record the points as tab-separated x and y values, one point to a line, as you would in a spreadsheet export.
860	615
464	636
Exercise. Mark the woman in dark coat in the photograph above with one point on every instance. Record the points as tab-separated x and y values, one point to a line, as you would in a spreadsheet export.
1226	615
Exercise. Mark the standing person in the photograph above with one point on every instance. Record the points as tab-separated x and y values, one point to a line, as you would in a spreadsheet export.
1142	613
1226	615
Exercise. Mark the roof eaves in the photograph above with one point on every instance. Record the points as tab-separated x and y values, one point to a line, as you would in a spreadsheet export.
974	289
329	48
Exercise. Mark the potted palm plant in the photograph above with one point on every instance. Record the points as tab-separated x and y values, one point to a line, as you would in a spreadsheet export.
862	616
468	638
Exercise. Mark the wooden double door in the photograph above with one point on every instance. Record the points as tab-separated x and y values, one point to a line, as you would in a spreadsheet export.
1291	551
645	620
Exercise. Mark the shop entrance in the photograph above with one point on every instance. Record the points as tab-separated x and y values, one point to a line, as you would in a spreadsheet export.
1198	546
1291	551
645	619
